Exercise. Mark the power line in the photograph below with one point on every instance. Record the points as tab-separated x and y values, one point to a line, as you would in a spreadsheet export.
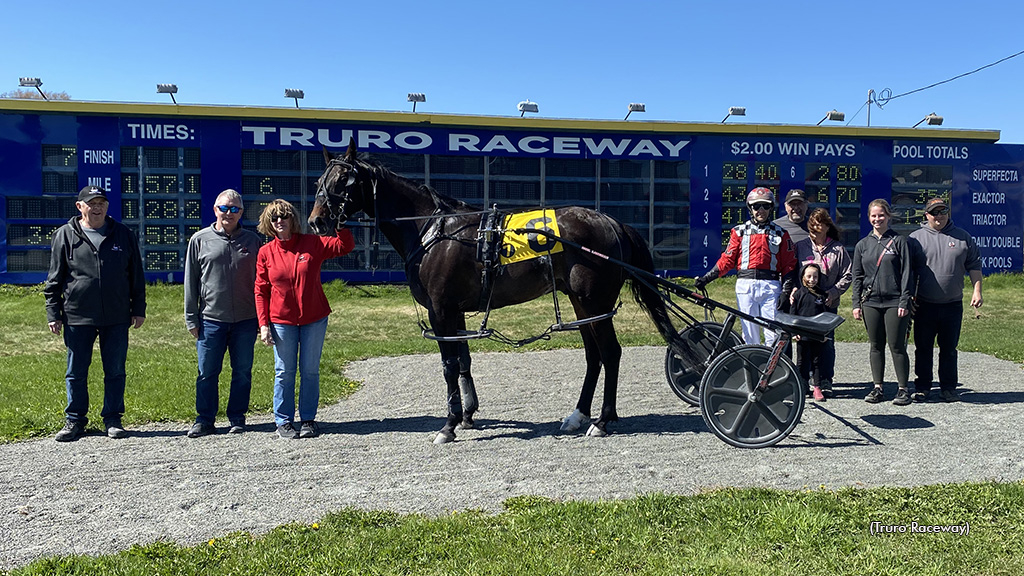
881	101
955	77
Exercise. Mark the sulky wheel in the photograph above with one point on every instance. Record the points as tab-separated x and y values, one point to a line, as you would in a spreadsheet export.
702	337
737	413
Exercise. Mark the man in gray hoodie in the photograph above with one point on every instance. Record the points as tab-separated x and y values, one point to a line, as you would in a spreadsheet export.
220	311
943	253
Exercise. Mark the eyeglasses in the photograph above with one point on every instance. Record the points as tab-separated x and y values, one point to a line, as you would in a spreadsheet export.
761	206
939	212
226	209
280	217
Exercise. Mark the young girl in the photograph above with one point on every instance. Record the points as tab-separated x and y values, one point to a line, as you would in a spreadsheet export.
809	300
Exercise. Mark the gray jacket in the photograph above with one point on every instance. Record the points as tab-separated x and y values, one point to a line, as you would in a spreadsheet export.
220	273
941	258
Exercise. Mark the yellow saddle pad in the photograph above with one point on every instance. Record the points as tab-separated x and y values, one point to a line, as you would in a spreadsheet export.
517	247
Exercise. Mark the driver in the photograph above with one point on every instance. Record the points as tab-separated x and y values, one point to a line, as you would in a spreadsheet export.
764	255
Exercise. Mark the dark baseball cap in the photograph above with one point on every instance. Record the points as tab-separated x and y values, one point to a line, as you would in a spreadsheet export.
796	194
91	193
935	204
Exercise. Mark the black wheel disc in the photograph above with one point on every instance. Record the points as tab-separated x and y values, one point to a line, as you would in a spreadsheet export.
702	337
737	413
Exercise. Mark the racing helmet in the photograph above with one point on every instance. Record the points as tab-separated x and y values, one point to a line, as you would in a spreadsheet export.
760	194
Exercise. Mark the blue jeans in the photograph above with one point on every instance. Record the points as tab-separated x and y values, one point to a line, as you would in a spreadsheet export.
216	338
297	349
113	352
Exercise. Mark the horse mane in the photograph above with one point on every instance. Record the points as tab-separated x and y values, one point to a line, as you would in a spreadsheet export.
443	202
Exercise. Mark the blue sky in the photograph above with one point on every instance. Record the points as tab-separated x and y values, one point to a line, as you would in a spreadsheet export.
786	62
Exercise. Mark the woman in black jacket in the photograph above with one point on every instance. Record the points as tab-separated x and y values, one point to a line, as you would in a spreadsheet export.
881	298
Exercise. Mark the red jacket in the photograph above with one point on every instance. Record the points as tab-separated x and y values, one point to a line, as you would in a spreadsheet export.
752	247
288	288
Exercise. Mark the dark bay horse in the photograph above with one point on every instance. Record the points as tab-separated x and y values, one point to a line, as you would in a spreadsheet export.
436	236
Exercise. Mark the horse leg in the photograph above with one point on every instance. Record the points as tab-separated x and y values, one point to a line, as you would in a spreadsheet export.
611	354
470	403
450	367
581	415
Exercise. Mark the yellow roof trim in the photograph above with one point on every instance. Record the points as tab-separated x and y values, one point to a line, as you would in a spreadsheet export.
457	120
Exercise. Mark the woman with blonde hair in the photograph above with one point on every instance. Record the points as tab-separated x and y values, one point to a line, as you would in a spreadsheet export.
292	310
881	298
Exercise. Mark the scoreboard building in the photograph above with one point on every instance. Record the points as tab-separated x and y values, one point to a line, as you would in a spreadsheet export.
682	185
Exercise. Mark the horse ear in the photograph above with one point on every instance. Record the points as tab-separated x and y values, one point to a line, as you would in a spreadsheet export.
350	154
327	155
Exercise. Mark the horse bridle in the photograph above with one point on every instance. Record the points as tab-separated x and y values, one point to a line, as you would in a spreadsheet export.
322	196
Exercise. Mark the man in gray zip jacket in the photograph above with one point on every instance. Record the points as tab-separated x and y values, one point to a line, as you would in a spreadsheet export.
95	288
943	253
220	311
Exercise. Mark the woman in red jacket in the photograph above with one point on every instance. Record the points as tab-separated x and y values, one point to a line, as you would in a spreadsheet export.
292	310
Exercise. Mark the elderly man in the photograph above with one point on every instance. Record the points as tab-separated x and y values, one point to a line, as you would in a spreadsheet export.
795	220
220	311
943	254
95	288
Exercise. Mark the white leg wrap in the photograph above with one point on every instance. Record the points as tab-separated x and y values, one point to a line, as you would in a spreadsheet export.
573	422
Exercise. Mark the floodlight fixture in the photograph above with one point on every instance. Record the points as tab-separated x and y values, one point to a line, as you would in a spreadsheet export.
33	83
527	106
295	94
833	115
735	111
171	89
415	97
635	107
932	119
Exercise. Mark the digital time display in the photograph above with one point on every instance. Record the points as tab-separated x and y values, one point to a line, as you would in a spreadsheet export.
161	209
30	234
162	234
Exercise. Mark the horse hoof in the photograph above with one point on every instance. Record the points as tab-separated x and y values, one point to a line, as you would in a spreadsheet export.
467	424
574	421
444	438
596	432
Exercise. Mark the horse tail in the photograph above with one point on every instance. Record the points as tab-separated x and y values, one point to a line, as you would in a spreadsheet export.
647	296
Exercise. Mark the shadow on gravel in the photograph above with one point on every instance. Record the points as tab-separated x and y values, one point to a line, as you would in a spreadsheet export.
157	433
363	427
661	424
897	421
970	397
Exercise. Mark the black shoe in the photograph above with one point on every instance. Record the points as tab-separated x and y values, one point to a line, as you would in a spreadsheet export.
237	427
949	395
200	429
287	431
875	396
115	430
309	429
919	396
902	397
70	432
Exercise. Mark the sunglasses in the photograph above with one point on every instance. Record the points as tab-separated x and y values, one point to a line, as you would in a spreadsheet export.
939	212
280	217
761	206
226	209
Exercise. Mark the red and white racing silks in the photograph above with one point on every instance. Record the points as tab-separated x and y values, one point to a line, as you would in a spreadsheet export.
765	247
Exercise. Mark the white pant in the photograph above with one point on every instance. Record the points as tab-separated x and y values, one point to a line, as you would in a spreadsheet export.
758	298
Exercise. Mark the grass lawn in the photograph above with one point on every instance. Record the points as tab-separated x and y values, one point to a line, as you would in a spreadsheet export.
752	531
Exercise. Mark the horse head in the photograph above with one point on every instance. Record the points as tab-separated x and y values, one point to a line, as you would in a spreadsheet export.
340	191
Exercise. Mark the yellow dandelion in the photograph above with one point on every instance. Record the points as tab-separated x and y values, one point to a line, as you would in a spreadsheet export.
316	526
211	542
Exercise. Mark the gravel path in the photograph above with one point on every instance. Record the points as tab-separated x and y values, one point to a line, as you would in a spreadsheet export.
98	495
